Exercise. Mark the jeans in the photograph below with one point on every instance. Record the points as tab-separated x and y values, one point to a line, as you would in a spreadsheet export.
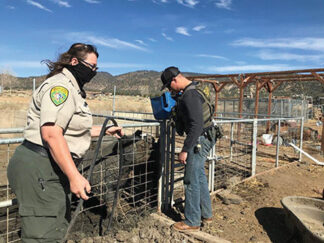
197	198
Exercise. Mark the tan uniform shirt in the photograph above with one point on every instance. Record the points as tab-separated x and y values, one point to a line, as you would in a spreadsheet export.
58	100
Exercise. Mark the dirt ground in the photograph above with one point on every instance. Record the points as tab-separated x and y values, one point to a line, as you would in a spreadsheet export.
259	216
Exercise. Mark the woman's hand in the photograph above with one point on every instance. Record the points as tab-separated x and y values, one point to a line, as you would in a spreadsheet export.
53	136
79	186
115	131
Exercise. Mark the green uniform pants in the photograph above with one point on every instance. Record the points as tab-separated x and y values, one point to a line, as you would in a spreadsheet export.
43	196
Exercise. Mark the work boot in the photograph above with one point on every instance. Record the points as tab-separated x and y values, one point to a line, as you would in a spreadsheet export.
182	226
207	221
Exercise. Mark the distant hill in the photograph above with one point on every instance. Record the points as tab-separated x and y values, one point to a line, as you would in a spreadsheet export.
148	83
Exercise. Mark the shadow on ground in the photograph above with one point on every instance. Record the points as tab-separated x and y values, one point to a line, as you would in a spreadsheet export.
273	222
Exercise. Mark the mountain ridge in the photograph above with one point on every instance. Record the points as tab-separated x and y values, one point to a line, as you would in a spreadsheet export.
148	83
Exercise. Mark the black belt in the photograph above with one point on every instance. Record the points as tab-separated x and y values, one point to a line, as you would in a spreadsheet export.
39	149
206	129
36	148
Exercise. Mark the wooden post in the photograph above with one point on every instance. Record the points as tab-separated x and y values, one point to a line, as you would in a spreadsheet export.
240	110
322	146
269	88
269	111
217	91
216	101
241	101
257	95
216	97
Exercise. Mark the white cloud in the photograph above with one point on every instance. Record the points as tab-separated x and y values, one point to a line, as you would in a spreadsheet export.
250	68
152	39
182	31
159	1
92	1
62	3
141	42
268	55
167	37
316	44
226	4
108	42
38	5
199	27
188	3
211	56
10	7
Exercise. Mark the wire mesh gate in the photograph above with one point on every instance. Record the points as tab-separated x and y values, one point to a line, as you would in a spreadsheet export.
239	154
138	190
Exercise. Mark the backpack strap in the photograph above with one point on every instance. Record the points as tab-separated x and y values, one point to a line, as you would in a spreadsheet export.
207	107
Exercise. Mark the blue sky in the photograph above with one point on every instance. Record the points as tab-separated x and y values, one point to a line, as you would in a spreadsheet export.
205	36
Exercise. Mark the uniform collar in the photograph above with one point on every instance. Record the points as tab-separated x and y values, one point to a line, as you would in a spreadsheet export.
70	76
192	83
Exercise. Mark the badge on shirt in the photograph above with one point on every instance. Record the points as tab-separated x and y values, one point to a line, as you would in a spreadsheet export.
59	95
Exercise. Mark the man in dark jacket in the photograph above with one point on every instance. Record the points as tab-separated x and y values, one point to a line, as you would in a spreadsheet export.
198	143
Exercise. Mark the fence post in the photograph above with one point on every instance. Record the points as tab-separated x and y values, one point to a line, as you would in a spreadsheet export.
167	168
173	131
289	107
254	146
277	148
162	164
211	168
322	142
231	141
301	138
8	212
114	100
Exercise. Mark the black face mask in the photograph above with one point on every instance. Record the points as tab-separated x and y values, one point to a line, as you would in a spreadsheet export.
82	74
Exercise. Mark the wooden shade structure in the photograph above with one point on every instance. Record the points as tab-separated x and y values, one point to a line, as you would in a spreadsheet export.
268	80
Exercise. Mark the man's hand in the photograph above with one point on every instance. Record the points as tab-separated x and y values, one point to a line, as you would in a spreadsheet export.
79	186
115	131
183	157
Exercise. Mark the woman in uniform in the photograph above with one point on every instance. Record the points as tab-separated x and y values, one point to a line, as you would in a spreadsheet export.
42	171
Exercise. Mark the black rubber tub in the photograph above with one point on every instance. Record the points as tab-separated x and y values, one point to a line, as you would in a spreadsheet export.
305	218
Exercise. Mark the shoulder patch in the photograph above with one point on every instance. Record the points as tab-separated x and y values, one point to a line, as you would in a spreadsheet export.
59	95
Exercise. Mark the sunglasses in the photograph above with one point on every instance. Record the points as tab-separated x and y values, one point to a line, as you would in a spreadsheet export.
92	66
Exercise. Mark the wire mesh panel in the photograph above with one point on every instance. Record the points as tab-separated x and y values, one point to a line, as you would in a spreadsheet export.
124	180
279	107
134	167
273	146
138	115
9	221
243	151
230	158
233	153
